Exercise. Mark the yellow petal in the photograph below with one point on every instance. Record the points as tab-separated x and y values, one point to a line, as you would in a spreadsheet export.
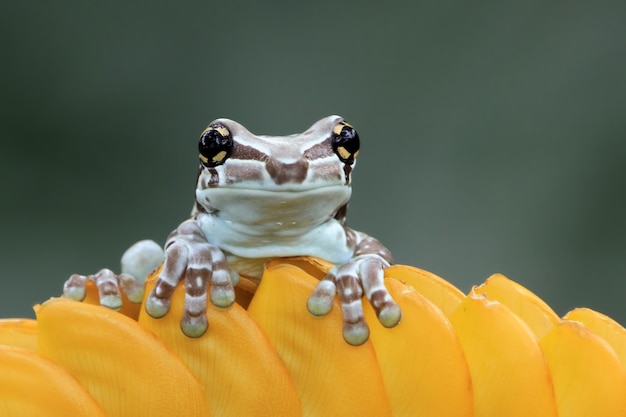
332	377
19	332
508	369
603	326
234	360
423	365
246	288
525	304
123	366
32	385
589	379
128	309
439	291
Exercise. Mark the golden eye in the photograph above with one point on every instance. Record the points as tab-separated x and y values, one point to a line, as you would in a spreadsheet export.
215	146
345	142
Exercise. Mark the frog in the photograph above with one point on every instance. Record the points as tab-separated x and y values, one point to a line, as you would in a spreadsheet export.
258	198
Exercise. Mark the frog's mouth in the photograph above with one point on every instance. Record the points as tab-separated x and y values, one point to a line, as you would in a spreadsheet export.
256	206
233	195
273	188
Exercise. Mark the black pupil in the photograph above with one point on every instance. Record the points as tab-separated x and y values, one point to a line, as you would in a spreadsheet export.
212	144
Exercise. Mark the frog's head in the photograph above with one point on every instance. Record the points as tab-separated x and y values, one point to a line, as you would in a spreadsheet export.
231	156
236	164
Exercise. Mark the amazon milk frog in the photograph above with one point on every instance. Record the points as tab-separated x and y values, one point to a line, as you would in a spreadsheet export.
260	198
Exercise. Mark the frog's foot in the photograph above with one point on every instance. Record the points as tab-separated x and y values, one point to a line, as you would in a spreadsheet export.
199	264
361	275
110	287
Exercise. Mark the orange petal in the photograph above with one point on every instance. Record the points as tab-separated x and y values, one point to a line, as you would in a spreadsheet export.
603	326
508	369
32	385
128	309
439	291
332	377
589	379
525	304
234	360
19	332
421	359
244	291
123	366
316	267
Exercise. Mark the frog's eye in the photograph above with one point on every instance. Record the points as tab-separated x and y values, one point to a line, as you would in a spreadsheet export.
216	145
345	142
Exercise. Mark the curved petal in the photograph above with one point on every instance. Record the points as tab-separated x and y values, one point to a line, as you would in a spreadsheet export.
439	291
589	379
603	326
508	369
524	303
423	365
123	366
332	377
19	332
32	385
234	360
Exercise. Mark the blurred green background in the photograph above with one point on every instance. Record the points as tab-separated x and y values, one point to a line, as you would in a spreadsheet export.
493	134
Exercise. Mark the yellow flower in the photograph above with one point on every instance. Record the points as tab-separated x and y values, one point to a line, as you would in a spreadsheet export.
499	351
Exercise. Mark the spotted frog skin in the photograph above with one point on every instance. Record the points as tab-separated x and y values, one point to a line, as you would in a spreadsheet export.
259	198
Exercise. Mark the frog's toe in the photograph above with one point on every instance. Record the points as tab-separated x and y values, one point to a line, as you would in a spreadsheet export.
321	301
356	333
114	302
222	297
222	291
355	330
157	307
194	321
373	282
131	288
74	287
234	277
194	326
387	311
108	288
158	301
390	315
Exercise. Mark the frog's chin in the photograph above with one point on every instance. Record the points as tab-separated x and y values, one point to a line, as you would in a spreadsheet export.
301	207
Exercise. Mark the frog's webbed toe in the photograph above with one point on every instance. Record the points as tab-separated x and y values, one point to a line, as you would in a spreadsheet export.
363	275
200	265
74	287
110	286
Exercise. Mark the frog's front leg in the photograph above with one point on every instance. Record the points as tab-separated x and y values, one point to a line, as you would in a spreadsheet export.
189	257
361	275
